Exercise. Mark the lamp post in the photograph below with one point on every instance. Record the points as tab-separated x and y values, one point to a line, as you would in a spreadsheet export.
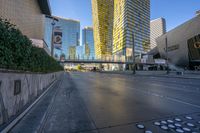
133	52
166	42
52	34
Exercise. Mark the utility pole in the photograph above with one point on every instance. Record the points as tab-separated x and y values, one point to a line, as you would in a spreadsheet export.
133	53
166	42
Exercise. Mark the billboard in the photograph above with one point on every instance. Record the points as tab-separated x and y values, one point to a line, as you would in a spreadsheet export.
194	48
57	38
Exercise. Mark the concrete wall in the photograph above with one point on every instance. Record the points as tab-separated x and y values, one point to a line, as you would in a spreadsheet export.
179	37
26	14
32	85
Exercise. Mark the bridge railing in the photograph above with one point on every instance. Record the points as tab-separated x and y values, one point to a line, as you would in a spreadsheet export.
102	58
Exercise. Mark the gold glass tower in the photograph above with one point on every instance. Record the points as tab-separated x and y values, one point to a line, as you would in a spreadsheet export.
102	11
131	17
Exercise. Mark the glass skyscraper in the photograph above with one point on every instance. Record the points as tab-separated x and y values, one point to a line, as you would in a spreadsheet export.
117	23
102	11
70	36
131	20
88	43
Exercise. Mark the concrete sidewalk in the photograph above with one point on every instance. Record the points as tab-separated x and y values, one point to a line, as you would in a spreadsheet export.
61	110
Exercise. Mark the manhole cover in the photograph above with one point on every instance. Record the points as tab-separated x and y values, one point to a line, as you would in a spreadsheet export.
140	126
187	129
164	127
178	125
190	125
188	117
177	119
163	122
170	121
148	132
157	123
179	131
171	126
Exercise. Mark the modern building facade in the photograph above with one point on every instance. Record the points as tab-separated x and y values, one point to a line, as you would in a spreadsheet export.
70	36
28	16
102	11
88	43
79	52
182	44
157	29
131	23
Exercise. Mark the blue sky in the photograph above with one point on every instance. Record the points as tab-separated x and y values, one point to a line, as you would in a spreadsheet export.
174	11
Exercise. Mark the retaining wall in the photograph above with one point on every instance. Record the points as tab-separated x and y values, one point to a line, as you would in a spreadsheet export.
18	90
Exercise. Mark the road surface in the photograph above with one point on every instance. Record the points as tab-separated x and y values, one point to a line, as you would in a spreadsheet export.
116	103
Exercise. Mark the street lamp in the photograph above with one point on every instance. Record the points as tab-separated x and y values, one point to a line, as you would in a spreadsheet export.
133	53
52	34
166	42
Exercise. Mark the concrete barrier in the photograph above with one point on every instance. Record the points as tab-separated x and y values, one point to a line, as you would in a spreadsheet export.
18	90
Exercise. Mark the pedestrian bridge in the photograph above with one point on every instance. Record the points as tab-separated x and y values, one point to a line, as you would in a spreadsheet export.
76	61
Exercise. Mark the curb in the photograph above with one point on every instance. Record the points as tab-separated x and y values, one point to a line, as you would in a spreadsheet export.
166	76
156	75
18	118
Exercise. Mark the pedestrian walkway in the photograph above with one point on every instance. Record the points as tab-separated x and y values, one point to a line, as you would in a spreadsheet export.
61	110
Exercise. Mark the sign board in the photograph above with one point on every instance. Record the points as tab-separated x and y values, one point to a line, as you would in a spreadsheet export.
160	61
57	38
197	45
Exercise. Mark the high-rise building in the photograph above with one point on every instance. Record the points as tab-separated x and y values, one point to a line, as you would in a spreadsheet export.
28	16
102	11
157	28
79	52
131	20
72	52
70	35
88	43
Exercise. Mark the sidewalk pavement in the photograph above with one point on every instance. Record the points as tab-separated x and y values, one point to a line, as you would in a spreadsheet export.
61	110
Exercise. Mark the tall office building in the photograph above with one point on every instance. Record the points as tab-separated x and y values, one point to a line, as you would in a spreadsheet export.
79	52
88	42
70	36
157	28
131	17
102	11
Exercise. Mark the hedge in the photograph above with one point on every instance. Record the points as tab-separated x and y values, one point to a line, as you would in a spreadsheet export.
18	53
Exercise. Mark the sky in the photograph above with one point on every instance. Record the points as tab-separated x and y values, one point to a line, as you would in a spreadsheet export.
175	12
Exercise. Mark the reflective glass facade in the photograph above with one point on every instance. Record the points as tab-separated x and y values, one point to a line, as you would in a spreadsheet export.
70	35
88	43
131	17
79	52
102	11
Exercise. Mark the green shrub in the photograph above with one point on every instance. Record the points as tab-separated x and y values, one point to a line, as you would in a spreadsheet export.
18	53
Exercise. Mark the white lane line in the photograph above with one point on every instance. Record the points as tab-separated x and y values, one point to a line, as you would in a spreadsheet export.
167	97
175	88
177	100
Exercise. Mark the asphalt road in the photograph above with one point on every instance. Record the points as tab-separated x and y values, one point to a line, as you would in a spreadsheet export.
114	103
